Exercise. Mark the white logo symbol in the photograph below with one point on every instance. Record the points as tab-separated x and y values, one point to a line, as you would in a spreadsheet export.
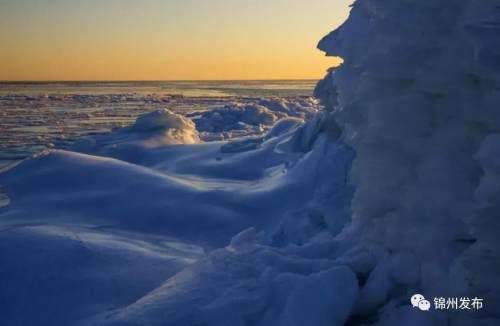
418	301
424	305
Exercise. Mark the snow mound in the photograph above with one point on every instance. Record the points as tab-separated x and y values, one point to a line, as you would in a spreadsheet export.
172	128
153	130
161	120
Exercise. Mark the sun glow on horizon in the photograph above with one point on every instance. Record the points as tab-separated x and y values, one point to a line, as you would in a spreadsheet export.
166	40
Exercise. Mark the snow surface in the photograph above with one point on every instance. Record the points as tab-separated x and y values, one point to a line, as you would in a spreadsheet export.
392	190
145	202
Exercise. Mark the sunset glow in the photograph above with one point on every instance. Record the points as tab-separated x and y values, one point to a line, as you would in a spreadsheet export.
165	39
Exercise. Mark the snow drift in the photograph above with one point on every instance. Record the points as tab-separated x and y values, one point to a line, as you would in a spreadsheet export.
175	128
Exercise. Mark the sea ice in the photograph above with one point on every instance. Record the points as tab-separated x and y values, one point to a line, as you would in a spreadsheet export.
330	218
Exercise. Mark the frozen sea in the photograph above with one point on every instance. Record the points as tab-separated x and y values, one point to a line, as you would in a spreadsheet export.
154	190
229	203
36	116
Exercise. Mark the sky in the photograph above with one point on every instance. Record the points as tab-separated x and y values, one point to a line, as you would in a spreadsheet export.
165	39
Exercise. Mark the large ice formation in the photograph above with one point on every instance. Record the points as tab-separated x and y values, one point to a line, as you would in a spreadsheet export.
417	99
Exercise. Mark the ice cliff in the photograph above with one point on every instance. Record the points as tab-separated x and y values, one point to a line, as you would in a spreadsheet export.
417	99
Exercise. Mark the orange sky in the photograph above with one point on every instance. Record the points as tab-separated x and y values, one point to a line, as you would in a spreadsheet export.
165	39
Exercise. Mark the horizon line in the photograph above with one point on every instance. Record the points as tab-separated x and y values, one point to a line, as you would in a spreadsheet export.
149	80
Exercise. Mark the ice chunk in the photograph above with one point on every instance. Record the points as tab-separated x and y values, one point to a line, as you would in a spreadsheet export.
322	299
174	128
